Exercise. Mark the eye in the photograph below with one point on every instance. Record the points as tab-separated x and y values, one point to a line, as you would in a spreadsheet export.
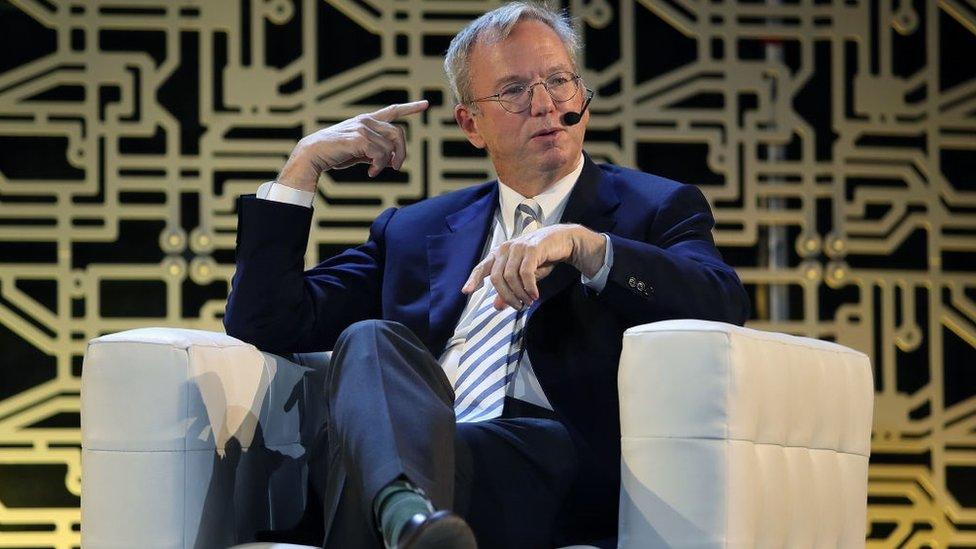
559	79
513	90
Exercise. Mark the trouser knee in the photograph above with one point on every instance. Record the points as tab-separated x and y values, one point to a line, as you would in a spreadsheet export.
377	343
369	329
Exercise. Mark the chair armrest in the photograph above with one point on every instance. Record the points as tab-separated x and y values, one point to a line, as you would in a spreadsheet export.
191	438
736	437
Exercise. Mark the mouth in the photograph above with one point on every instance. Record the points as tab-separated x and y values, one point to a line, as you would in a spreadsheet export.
547	132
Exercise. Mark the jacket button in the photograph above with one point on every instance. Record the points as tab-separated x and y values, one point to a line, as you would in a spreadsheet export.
641	286
632	281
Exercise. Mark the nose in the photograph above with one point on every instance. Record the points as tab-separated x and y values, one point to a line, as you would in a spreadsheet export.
540	102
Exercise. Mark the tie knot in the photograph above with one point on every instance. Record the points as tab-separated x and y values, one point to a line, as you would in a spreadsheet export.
528	216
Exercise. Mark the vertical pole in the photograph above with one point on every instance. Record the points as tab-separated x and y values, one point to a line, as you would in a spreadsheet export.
777	252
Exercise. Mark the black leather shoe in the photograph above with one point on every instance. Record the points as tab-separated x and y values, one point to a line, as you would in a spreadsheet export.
442	530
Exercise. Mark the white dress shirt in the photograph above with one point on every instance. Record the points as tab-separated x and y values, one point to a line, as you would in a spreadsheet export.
525	386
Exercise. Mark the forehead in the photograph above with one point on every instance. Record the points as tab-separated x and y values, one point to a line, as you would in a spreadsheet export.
532	49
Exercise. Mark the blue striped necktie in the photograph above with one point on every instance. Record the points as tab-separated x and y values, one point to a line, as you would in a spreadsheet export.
493	347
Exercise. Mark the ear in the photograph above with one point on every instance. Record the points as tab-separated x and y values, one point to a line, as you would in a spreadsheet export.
465	119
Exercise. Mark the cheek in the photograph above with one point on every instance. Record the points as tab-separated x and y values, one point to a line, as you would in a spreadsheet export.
578	132
505	137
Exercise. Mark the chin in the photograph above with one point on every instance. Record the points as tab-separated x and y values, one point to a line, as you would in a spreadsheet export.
554	159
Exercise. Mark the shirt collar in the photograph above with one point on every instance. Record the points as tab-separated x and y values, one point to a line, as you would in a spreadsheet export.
552	201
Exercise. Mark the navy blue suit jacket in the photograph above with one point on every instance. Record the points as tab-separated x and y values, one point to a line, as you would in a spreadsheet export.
417	257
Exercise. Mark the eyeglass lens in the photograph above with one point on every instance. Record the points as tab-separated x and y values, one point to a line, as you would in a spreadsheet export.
517	97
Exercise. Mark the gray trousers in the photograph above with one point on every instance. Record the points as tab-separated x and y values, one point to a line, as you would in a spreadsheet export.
391	416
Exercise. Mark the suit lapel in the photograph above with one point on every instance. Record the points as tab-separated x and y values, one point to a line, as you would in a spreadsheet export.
591	204
451	256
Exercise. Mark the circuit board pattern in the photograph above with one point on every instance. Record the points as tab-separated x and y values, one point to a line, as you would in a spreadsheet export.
846	129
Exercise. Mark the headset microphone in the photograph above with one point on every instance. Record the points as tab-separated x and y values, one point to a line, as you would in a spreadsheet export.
573	118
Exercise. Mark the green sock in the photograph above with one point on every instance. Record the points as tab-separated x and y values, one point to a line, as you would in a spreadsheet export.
395	505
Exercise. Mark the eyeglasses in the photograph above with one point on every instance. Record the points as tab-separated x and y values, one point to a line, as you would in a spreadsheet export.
517	96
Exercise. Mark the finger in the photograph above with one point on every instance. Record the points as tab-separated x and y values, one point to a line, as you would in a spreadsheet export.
501	286
543	271
478	274
379	158
378	149
368	147
398	110
513	275
394	134
402	142
504	296
528	273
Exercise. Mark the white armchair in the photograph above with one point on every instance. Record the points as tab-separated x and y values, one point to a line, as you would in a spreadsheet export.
731	437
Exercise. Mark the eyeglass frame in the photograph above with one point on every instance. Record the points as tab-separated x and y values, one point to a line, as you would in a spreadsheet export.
577	79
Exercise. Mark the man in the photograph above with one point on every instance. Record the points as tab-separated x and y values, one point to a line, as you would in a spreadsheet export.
486	383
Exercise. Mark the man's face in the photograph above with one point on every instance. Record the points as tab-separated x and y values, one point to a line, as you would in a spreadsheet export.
533	143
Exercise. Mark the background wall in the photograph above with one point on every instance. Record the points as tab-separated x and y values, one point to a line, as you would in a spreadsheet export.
836	139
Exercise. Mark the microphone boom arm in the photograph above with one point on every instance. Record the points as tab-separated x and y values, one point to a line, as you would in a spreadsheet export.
573	118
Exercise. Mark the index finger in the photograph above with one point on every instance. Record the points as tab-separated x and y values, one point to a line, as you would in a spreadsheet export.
398	110
478	274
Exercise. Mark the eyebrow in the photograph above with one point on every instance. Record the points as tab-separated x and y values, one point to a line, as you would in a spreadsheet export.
516	78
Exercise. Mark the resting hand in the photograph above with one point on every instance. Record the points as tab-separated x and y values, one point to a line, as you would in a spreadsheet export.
516	266
369	138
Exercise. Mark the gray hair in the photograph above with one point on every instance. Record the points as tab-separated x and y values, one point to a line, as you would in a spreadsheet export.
494	27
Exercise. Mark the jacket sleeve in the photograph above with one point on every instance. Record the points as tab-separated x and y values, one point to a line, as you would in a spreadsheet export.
276	306
675	271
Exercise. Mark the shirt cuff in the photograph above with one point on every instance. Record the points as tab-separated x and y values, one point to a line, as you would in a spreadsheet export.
277	192
599	280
